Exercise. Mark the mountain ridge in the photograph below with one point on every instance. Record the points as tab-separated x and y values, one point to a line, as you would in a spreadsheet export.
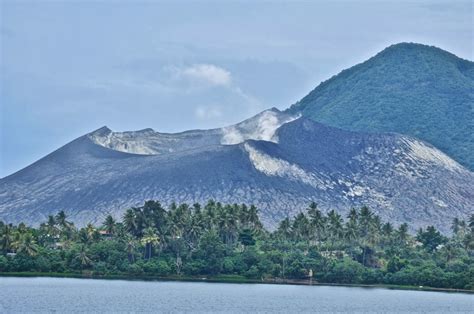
309	162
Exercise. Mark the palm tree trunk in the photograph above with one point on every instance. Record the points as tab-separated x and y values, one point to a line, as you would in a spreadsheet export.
363	255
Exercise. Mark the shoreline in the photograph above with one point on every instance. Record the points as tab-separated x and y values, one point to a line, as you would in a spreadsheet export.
232	279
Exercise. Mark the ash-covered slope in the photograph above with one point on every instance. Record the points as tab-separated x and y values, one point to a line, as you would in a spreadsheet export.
401	178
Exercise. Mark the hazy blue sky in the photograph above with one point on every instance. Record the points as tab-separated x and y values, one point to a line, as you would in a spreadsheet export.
67	68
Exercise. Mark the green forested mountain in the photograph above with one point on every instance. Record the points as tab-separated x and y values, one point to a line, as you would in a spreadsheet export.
407	88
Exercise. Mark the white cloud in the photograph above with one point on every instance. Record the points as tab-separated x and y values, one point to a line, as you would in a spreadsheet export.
208	112
188	79
207	73
208	94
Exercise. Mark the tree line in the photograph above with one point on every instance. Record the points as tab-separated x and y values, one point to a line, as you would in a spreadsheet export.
217	240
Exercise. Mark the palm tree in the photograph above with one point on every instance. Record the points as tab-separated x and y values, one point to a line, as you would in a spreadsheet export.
455	225
174	226
221	219
131	244
150	238
353	215
233	222
253	218
312	208
365	222
140	221
463	227
22	228
449	251
109	224
209	215
26	244
196	209
301	228
61	220
367	225
317	224
130	221
52	228
468	241
83	256
244	216
351	231
402	234
352	226
387	229
335	226
471	222
194	231
374	234
67	227
376	223
179	218
284	228
90	231
387	234
227	222
61	217
6	238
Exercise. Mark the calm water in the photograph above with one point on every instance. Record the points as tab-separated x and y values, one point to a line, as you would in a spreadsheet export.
84	295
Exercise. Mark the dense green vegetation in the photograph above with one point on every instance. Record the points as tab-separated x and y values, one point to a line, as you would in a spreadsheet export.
229	240
410	89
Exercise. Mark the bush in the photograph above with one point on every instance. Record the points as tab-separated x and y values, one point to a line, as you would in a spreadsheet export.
100	268
135	269
157	267
3	264
22	262
228	265
296	270
346	271
43	264
395	264
372	276
253	272
194	267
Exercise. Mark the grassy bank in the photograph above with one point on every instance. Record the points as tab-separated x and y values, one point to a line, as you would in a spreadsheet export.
236	279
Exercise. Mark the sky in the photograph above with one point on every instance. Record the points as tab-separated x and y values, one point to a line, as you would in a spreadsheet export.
70	67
